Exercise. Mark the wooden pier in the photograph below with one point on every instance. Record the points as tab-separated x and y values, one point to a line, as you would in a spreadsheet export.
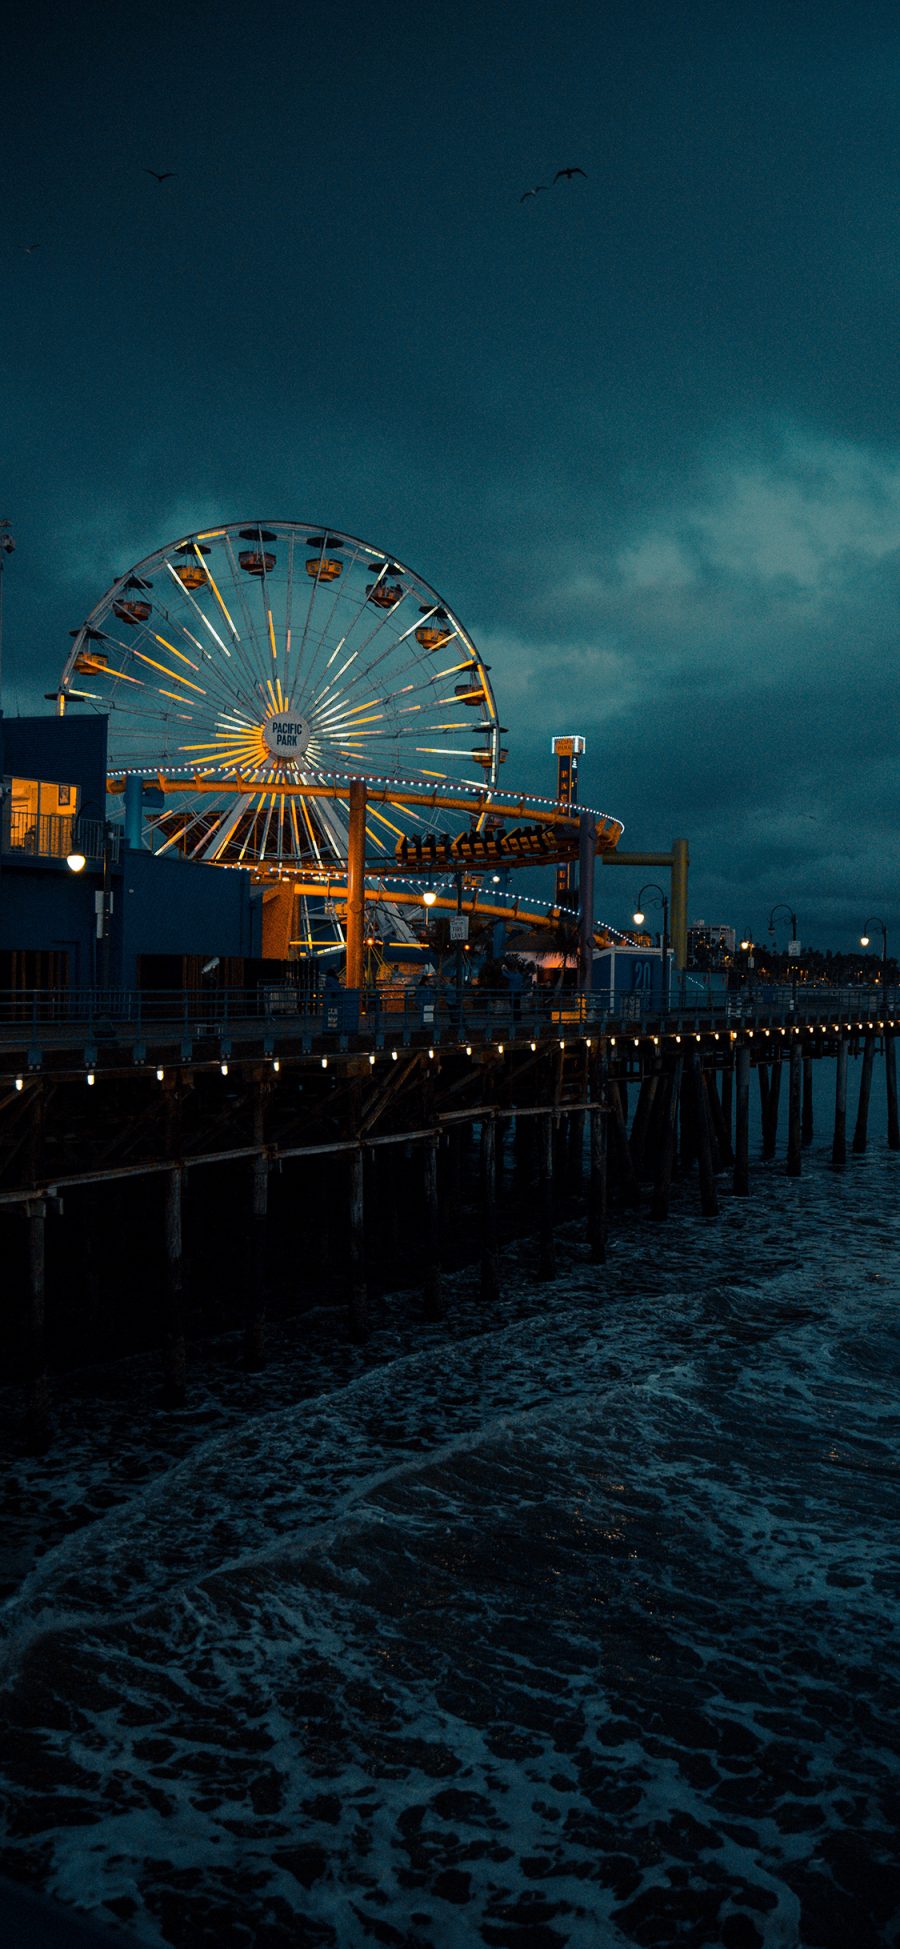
169	1175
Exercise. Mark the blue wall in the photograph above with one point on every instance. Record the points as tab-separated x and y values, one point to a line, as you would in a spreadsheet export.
172	906
64	750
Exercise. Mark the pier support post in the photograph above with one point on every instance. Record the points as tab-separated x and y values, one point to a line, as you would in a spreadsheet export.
631	1190
255	1314
839	1141
359	1296
860	1134
546	1265
598	1212
709	1203
37	1410
659	1208
770	1112
432	1286
721	1138
807	1131
490	1253
640	1128
728	1112
741	1181
174	1347
36	1430
890	1075
795	1118
174	1344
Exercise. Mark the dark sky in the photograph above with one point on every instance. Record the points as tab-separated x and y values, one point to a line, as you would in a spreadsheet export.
642	430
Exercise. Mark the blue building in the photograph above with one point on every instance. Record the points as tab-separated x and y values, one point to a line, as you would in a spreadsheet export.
127	919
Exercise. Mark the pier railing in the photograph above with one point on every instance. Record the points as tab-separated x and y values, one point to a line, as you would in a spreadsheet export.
207	1024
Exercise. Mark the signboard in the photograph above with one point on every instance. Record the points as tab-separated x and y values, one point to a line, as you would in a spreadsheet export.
793	949
459	927
285	735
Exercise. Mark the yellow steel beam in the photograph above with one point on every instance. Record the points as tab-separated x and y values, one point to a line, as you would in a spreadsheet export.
517	808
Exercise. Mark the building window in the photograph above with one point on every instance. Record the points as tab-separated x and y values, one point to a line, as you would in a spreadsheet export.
38	817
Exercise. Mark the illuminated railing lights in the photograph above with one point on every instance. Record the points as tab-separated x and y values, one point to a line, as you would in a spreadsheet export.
20	1085
90	1079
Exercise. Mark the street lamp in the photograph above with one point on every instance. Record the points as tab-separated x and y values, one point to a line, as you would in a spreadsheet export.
652	887
864	940
76	862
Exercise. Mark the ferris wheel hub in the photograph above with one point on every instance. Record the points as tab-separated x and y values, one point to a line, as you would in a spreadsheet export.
286	736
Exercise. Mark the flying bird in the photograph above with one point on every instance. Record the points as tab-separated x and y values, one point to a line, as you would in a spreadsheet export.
570	173
532	192
28	248
160	178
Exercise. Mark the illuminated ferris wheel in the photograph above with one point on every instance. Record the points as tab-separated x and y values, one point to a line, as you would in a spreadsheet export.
244	663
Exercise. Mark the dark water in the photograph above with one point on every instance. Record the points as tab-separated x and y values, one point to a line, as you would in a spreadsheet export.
574	1625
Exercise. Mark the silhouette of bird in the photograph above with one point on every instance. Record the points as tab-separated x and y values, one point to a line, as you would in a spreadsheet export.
532	192
570	173
159	178
28	248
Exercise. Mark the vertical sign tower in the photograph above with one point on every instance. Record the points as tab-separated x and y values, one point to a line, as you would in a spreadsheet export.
567	752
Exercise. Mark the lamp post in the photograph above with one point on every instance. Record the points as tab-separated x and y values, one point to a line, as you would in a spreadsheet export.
76	862
793	945
864	940
749	964
652	887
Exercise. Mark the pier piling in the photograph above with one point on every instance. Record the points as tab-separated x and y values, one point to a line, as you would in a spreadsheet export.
890	1071
839	1140
432	1294
546	1264
709	1202
359	1297
741	1180
659	1208
860	1134
255	1314
598	1211
490	1251
37	1412
795	1118
807	1130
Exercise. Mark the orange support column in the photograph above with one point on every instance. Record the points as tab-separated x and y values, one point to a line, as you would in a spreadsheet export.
356	883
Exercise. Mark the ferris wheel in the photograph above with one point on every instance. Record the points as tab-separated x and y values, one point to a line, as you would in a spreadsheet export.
243	664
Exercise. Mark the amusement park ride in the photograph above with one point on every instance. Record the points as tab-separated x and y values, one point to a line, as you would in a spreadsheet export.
292	702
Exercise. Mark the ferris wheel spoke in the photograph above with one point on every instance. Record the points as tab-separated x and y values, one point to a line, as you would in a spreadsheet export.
316	586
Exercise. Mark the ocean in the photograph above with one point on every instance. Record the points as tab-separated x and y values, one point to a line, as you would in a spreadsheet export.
570	1621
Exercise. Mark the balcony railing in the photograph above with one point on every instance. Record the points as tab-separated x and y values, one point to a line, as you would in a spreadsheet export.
54	835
